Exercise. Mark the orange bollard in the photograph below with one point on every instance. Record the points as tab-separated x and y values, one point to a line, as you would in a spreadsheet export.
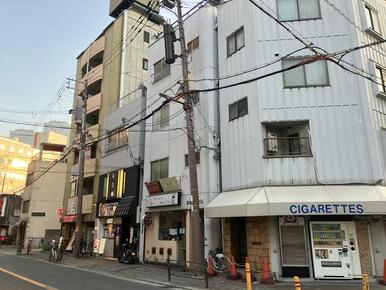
297	283
383	281
234	275
211	271
266	277
248	277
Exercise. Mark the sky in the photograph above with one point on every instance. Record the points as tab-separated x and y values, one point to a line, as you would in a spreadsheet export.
40	40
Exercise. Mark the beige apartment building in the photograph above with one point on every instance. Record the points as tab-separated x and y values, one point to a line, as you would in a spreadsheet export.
43	194
114	69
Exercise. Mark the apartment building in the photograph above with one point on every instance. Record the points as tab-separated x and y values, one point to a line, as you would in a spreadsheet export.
42	196
114	67
303	151
166	202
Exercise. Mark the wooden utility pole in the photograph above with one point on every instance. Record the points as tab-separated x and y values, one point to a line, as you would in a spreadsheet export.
196	235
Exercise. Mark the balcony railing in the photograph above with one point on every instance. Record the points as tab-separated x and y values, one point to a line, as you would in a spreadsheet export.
121	142
161	74
287	147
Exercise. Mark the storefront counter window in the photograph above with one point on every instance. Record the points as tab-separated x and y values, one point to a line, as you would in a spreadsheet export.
171	226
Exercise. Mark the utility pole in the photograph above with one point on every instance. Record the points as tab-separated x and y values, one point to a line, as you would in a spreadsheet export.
79	190
3	184
196	246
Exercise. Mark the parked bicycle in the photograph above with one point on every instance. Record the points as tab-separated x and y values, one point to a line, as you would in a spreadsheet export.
86	249
54	252
220	263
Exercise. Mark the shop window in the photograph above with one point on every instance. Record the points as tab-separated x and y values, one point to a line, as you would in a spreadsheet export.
170	252
171	226
159	169
161	251
153	250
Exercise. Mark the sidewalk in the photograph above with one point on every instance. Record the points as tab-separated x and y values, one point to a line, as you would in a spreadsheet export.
181	279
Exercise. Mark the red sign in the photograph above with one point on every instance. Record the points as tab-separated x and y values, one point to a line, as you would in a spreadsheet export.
59	212
69	219
153	187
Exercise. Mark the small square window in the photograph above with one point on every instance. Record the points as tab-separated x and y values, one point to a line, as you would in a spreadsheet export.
238	109
372	18
380	73
145	64
235	41
294	10
146	37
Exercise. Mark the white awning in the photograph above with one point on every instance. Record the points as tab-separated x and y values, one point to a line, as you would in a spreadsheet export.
300	200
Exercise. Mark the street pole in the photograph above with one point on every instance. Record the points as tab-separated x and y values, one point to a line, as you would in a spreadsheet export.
196	238
79	190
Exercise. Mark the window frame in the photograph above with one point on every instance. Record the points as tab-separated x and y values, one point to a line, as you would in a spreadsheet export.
159	176
383	78
146	36
237	103
233	37
371	26
298	10
159	124
163	72
306	85
145	64
190	45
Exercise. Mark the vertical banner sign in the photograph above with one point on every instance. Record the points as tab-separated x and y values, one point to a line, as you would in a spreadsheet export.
3	203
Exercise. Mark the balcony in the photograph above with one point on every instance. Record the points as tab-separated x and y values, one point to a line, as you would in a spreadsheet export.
283	147
95	48
94	103
287	139
93	75
89	168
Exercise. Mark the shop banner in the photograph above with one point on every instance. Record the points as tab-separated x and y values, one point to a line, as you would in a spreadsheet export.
96	246
163	200
107	209
170	184
3	204
102	245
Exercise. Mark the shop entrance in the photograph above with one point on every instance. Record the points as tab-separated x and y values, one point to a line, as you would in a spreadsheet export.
239	239
335	250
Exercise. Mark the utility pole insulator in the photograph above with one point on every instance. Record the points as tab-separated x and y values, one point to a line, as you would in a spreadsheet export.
169	38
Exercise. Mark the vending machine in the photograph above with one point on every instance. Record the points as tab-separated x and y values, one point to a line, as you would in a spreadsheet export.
335	250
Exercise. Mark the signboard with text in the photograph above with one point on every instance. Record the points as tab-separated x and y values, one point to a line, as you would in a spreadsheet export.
169	199
328	209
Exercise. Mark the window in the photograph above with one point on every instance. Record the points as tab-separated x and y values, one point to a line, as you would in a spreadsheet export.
293	10
235	41
171	226
161	70
117	140
287	139
121	188
381	78
29	179
73	189
187	159
238	109
194	44
16	212
313	74
145	64
25	206
372	19
159	169
146	37
161	118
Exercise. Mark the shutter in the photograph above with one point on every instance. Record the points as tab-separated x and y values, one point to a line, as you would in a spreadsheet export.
293	245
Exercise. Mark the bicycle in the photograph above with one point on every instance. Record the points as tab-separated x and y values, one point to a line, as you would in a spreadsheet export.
220	263
54	252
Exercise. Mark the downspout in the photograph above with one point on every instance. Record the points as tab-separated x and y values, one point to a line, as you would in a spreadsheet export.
123	59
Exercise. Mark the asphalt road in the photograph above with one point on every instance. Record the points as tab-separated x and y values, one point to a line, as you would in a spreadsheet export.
20	273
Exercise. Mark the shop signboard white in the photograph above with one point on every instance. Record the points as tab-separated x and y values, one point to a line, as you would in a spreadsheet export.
169	199
102	245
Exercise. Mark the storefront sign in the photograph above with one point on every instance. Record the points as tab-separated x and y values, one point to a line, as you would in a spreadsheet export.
326	209
107	209
170	184
153	187
3	204
147	219
163	200
69	219
96	246
59	212
102	245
